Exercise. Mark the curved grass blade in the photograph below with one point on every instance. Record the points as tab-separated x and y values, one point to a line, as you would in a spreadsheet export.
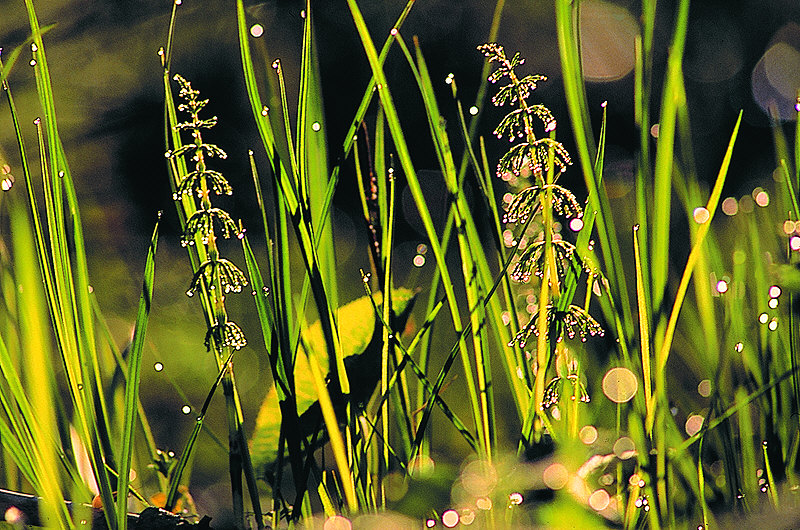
711	206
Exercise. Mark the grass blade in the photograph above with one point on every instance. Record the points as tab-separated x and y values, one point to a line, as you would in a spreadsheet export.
134	376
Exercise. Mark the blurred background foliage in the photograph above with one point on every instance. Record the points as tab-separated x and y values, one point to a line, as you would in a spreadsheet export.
107	83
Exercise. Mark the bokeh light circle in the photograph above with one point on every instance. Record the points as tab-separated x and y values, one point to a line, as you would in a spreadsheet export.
620	384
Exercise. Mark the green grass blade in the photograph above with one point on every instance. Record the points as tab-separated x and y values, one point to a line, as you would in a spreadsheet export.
711	206
575	93
188	450
673	97
644	332
134	376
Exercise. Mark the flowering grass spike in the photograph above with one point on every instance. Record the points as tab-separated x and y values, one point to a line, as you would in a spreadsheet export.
216	276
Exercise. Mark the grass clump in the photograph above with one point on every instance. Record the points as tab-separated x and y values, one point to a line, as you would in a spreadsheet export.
488	355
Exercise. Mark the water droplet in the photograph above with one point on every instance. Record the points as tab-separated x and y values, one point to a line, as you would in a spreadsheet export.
604	104
265	111
450	518
186	409
303	13
763	318
158	367
419	260
654	130
773	303
80	386
34	47
550	126
393	31
178	2
276	64
700	215
449	79
316	126
722	286
256	30
7	182
473	110
190	293
693	424
774	291
761	197
33	62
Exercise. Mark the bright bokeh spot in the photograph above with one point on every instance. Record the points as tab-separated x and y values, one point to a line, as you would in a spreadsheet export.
738	347
762	198
788	227
624	448
693	424
555	476
700	215
419	260
316	126
730	206
256	30
515	498
430	523
763	318
773	303
620	384
746	204
773	324
776	75
484	503
588	434
794	243
186	409
467	516
158	367
704	388
599	500
473	110
722	286
607	40
14	516
576	224
450	518
774	291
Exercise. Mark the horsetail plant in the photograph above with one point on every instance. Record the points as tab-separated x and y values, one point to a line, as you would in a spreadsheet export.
555	261
213	279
